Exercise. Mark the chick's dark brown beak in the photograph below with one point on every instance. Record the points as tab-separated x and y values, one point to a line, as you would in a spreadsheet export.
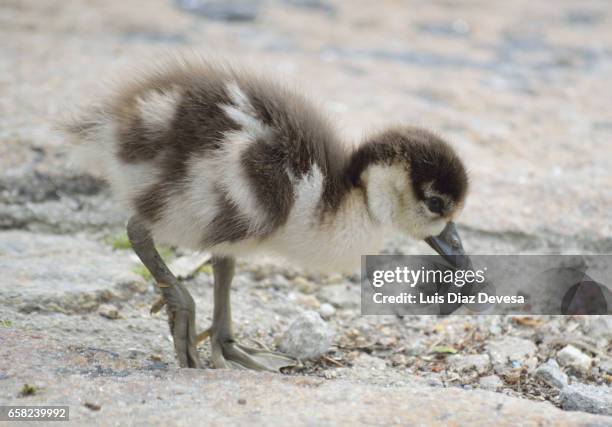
448	245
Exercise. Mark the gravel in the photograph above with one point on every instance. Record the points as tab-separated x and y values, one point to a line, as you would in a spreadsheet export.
109	311
509	350
552	374
327	310
473	362
587	398
572	357
544	167
103	387
599	328
606	366
341	295
491	382
308	337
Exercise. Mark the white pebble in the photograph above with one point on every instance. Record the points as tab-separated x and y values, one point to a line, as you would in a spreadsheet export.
327	310
308	337
574	358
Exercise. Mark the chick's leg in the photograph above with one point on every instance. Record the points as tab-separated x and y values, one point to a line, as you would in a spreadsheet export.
179	303
226	352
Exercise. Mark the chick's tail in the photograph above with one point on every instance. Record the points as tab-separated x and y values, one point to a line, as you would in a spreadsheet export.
91	138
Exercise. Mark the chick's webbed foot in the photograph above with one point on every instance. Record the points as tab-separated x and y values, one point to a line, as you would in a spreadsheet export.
230	354
181	319
226	352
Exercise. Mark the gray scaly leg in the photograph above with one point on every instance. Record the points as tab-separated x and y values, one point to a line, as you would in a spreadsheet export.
226	352
179	303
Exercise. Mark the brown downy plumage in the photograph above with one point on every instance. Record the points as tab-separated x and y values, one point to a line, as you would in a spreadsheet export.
218	159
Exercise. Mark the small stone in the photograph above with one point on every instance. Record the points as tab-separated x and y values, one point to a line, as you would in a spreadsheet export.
495	330
327	310
551	374
187	266
258	273
334	279
491	382
341	295
508	349
512	376
92	406
515	364
308	337
434	380
368	362
600	327
108	311
531	363
574	358
587	398
134	353
398	359
471	362
242	401
304	285
388	341
330	375
279	281
308	301
605	366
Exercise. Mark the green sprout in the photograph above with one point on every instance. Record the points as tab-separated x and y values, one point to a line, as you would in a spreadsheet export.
28	390
119	242
142	271
206	269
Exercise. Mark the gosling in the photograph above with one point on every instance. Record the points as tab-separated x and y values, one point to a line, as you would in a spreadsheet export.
205	156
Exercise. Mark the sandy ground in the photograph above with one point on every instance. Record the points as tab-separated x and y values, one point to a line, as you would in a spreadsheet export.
521	88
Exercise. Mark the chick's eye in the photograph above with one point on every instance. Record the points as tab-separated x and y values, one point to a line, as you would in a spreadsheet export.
435	204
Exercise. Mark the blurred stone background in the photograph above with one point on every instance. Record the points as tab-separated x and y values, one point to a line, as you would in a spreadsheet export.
521	88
